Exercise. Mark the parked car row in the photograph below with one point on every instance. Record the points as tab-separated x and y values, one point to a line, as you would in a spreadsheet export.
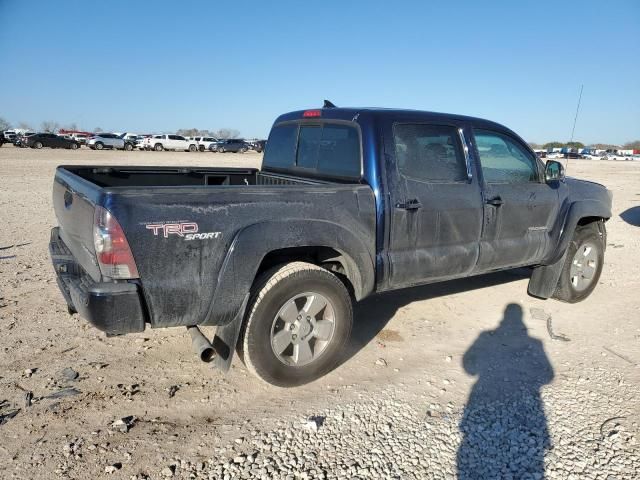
129	141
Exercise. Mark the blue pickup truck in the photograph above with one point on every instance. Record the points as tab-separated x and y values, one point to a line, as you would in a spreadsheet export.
348	202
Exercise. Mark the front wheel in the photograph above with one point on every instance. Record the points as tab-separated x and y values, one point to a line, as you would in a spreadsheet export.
192	148
37	145
128	147
583	264
298	322
99	145
158	147
74	146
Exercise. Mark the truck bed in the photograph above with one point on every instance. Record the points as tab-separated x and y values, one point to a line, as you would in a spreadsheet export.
106	177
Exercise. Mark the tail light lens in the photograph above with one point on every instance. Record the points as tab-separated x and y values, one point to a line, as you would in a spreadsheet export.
112	249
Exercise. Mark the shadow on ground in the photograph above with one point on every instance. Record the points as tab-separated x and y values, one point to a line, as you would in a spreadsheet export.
631	216
504	426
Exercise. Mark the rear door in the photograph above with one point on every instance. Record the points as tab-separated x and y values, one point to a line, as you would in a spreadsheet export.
175	142
436	203
519	206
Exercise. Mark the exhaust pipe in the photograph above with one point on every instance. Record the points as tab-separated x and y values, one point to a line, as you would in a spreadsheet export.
201	345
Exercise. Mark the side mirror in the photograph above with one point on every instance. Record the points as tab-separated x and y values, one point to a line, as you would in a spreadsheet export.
553	171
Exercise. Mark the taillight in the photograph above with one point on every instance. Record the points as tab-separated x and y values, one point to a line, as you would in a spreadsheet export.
112	249
312	113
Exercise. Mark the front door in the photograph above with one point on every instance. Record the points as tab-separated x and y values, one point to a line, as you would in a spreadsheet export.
436	203
519	207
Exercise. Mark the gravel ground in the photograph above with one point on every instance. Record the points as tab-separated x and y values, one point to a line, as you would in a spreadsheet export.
467	379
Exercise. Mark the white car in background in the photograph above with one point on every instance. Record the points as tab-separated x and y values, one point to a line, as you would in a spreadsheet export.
614	156
204	142
100	141
170	142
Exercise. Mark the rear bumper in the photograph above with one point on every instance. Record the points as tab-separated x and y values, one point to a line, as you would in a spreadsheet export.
115	308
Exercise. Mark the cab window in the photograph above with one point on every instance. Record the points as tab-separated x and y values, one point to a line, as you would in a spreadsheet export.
430	153
503	160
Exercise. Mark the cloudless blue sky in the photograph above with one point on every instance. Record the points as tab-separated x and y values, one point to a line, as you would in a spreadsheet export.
163	65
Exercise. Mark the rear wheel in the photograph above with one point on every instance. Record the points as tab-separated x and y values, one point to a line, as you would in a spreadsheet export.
192	148
128	147
158	147
202	148
243	150
37	145
74	146
99	145
583	265
299	320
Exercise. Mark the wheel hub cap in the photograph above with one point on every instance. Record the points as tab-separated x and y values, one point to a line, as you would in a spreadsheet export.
584	266
302	329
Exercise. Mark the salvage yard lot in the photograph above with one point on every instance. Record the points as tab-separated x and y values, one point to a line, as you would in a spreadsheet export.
422	391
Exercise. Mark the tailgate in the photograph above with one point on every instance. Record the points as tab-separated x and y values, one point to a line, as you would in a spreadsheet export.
74	201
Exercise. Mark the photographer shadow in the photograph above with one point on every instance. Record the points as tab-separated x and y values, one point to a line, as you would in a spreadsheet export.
504	425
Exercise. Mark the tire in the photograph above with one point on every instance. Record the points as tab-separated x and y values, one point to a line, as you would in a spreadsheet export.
74	146
192	148
202	148
37	145
158	147
297	285
222	150
128	147
583	264
99	145
243	150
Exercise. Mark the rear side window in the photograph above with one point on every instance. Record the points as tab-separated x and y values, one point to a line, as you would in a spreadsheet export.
429	153
322	149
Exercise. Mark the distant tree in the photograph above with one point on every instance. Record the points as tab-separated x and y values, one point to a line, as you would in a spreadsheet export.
188	132
553	145
71	126
4	125
97	130
225	133
575	144
49	126
604	146
635	145
535	146
25	126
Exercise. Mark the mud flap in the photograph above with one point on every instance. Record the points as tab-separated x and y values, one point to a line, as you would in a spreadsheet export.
544	280
226	339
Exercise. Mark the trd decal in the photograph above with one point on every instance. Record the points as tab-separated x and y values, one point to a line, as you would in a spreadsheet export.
187	230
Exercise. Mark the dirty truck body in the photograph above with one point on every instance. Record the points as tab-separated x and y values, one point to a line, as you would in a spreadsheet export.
348	202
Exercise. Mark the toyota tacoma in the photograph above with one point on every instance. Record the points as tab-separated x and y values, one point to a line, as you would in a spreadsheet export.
348	202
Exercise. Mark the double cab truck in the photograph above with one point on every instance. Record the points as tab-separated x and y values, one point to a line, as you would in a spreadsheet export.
348	202
170	142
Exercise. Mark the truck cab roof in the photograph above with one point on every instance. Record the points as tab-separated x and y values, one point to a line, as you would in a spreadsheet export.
353	114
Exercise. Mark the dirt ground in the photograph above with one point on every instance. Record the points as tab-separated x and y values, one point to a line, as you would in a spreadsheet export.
184	409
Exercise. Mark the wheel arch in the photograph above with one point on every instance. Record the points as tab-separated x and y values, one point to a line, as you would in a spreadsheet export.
544	279
259	246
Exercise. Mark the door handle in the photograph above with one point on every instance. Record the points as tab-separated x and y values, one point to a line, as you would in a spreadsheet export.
495	201
412	204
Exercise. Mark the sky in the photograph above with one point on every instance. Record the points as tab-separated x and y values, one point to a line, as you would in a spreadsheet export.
158	66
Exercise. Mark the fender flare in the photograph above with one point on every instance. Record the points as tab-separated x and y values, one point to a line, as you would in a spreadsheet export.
252	243
544	279
577	210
